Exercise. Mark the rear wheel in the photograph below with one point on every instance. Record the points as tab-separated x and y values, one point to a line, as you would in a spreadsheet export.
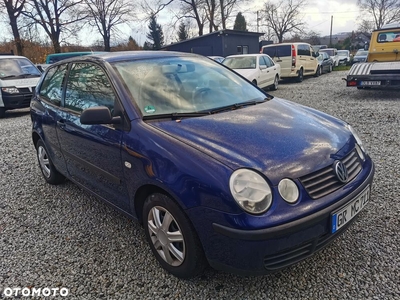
254	82
50	174
274	87
300	76
172	237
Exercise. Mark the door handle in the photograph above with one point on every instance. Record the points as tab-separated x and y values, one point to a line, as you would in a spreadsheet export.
61	124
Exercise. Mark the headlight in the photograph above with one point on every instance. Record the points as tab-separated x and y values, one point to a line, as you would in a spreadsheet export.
288	190
251	191
10	90
358	140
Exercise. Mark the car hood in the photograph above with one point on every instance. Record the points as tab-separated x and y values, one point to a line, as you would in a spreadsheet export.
278	138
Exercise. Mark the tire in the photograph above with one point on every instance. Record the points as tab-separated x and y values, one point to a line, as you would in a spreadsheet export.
274	87
2	112
49	172
330	68
318	72
300	77
254	82
175	244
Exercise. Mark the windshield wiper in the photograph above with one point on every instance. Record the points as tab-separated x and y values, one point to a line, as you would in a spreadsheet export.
10	76
237	105
176	115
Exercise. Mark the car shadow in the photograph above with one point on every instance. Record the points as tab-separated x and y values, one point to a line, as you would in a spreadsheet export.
15	113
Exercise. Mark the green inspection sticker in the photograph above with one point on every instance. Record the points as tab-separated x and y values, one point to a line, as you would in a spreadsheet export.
150	109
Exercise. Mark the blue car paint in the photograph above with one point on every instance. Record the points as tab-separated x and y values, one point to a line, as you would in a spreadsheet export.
193	159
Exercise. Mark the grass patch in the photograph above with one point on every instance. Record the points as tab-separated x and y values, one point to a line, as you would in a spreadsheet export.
341	68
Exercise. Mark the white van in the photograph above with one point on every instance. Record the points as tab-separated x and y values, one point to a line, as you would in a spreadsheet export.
18	79
296	59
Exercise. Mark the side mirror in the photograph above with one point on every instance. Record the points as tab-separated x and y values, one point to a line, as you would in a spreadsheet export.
263	67
98	115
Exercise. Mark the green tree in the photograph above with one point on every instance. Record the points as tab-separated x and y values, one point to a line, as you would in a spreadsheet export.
240	22
155	35
182	32
132	44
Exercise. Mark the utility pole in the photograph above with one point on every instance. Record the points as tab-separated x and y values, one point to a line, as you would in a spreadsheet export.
257	20
330	38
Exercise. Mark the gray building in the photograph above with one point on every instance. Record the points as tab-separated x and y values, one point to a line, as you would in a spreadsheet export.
220	43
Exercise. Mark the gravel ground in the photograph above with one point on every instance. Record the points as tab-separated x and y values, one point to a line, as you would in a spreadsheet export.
61	237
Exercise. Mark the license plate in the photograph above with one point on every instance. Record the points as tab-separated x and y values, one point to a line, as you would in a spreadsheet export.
377	82
342	216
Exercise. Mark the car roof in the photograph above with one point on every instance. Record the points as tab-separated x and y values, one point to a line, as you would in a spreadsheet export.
127	55
247	55
12	56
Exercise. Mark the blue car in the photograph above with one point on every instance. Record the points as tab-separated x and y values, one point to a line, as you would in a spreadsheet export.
219	172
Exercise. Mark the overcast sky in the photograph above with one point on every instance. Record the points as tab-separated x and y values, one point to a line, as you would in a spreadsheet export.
317	16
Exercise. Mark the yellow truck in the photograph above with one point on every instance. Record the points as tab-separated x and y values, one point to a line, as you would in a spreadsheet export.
382	68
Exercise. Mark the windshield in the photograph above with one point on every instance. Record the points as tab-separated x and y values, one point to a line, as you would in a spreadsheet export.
15	67
343	53
245	62
183	85
362	53
330	52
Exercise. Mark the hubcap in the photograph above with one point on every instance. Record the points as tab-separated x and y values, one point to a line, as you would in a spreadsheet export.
166	236
44	161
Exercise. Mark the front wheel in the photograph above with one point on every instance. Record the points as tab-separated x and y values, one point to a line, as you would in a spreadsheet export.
330	68
172	237
2	112
318	72
50	174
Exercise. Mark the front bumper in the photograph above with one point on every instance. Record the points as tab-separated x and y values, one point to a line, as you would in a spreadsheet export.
257	252
20	100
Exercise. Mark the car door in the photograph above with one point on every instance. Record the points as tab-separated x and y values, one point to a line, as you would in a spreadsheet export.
50	95
92	152
272	69
264	75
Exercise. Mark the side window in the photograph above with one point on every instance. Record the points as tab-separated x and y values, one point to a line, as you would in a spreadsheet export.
52	86
269	62
262	61
304	50
88	86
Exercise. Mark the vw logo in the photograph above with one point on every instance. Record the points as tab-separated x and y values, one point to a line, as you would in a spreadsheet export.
341	171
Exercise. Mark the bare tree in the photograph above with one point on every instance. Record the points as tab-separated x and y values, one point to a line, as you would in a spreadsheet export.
194	9
55	17
14	9
106	15
381	11
226	8
285	17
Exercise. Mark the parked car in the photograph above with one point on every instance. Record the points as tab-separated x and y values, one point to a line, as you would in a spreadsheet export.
318	47
333	53
296	59
217	58
18	78
260	69
325	62
218	171
344	57
360	56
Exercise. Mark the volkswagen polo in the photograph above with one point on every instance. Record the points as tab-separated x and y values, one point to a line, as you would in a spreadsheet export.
218	171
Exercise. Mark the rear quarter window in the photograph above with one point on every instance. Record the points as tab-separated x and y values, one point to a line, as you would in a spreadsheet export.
278	51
